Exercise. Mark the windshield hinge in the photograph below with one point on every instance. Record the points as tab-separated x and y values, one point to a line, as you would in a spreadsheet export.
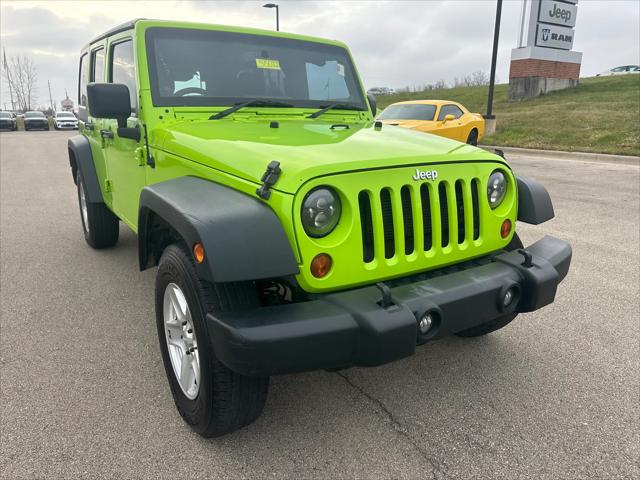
150	160
269	179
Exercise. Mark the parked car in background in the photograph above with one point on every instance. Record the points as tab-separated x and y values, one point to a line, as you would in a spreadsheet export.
36	121
65	120
8	121
381	91
622	70
440	117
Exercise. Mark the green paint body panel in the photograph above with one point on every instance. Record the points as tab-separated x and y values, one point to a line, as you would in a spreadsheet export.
235	151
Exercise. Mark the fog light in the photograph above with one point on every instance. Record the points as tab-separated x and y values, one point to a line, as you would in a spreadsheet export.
426	322
508	298
320	265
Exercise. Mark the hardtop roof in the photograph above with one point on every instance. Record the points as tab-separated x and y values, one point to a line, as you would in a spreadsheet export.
186	24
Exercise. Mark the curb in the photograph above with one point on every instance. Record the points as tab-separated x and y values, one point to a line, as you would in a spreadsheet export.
575	156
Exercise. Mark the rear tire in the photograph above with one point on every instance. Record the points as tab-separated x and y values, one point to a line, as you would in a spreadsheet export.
500	322
212	399
472	139
100	226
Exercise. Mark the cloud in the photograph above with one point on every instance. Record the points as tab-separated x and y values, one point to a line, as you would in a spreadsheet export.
394	43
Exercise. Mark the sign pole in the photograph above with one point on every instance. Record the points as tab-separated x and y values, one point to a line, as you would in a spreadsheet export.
492	78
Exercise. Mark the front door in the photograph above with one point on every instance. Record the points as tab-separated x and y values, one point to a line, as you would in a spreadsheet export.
125	169
452	128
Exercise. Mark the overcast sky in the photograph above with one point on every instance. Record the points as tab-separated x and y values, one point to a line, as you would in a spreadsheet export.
394	43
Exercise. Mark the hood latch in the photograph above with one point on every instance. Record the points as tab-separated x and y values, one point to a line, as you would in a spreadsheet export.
269	179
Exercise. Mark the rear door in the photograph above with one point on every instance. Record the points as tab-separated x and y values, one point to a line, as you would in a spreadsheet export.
123	156
92	69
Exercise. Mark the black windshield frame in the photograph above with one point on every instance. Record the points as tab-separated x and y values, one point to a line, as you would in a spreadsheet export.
210	101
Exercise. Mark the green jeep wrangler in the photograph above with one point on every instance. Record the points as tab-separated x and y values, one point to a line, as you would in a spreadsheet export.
291	231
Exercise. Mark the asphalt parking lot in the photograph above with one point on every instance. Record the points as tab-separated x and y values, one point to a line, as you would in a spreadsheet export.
84	394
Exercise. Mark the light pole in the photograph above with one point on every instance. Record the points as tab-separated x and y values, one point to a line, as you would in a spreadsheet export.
274	5
489	117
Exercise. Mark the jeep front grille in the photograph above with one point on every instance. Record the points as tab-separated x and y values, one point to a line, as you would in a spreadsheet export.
418	216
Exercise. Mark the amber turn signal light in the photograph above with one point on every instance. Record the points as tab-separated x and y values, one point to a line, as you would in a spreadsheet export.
198	252
505	229
320	265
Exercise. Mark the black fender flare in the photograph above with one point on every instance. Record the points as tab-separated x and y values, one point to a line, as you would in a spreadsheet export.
81	159
534	202
241	235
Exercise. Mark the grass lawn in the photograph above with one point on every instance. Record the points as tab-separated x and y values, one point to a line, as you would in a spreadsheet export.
601	115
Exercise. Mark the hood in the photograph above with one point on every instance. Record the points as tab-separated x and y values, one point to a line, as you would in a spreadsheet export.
306	149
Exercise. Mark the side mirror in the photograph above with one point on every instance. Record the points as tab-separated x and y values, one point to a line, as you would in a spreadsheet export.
448	118
372	104
109	100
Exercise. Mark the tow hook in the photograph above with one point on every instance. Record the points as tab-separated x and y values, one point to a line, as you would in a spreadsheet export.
528	258
387	300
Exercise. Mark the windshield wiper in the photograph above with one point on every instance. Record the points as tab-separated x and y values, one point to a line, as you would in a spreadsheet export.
335	106
251	103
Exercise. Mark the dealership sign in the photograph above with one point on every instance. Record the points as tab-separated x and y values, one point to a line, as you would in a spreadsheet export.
557	13
551	36
551	23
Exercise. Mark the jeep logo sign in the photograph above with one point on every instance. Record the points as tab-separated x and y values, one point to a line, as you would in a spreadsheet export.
551	36
425	175
557	12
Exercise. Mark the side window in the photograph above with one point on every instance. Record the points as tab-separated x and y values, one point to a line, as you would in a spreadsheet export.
449	110
97	62
123	69
83	80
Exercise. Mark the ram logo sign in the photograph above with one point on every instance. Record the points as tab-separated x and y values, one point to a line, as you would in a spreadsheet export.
551	36
557	13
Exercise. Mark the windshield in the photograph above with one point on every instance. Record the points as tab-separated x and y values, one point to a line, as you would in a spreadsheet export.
34	114
5	115
208	68
409	112
65	115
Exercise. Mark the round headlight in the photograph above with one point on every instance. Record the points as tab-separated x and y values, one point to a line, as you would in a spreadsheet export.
320	212
496	188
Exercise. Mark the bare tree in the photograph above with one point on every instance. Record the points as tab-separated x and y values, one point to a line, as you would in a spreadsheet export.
479	78
21	76
440	84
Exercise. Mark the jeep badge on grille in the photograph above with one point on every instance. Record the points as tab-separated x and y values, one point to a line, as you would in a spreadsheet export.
428	175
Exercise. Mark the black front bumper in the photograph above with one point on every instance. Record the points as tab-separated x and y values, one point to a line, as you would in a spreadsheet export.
36	124
352	328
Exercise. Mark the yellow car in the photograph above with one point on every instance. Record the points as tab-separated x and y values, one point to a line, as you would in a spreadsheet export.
440	117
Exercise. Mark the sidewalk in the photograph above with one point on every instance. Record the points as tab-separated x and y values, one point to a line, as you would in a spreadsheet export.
560	155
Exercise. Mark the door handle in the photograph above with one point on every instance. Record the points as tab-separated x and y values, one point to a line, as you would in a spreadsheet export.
89	126
106	133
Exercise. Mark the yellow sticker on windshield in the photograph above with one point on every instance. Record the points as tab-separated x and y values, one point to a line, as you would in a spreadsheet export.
268	63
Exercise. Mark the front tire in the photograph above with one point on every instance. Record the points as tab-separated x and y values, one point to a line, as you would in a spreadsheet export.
212	399
100	226
500	322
